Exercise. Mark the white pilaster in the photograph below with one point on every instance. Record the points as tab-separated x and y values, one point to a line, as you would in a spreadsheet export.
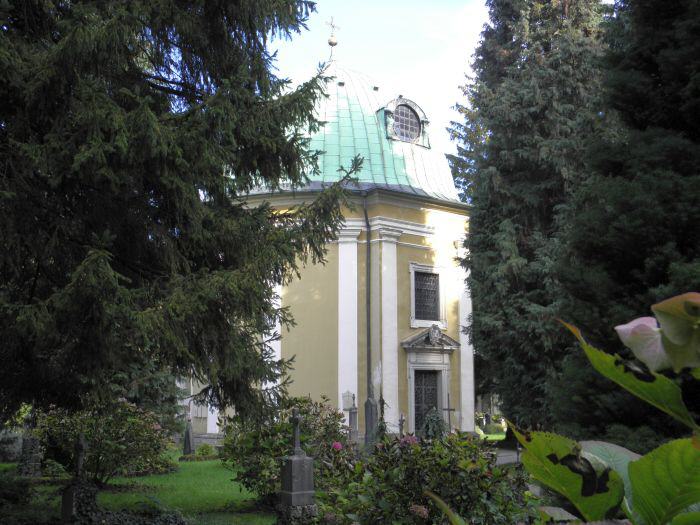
277	344
390	330
213	421
347	313
466	361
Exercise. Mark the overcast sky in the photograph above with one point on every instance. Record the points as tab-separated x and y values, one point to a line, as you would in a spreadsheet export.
415	48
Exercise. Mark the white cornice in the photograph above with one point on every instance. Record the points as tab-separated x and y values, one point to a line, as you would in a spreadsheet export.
405	227
374	197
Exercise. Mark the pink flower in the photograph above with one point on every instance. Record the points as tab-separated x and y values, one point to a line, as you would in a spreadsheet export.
643	337
409	440
337	445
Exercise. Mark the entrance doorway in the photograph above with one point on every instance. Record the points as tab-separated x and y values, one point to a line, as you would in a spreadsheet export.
425	395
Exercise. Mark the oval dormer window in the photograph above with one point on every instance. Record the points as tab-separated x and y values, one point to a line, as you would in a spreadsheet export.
406	123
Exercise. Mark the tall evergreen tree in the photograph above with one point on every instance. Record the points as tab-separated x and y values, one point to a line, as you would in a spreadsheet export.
632	236
130	135
531	107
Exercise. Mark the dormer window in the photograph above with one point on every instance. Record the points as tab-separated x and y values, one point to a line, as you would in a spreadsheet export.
406	123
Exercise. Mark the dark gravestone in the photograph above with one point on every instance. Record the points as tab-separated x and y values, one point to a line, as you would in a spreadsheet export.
30	458
79	499
296	504
31	454
188	441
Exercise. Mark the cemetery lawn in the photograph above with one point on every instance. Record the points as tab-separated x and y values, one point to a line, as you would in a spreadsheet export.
7	466
200	490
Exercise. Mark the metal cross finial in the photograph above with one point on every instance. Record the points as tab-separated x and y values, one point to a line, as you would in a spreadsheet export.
332	25
296	419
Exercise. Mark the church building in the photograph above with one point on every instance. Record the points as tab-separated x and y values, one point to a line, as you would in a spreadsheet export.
383	318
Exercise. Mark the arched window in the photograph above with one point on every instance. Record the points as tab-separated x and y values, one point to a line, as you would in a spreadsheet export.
406	123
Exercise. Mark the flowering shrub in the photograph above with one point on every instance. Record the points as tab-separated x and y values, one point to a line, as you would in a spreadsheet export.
120	440
388	485
255	450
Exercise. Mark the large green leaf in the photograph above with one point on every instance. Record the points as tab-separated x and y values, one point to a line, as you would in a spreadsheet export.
655	389
556	461
666	481
618	459
690	518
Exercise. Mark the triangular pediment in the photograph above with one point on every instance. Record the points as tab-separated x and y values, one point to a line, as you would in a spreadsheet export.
430	340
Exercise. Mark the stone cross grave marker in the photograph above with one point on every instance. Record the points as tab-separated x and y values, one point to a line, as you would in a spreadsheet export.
297	504
449	411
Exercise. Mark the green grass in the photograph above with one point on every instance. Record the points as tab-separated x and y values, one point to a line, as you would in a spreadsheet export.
7	466
201	490
495	437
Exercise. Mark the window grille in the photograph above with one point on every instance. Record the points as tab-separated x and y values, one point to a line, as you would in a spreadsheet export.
427	296
406	123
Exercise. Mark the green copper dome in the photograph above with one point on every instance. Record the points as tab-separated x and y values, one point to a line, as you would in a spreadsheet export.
389	132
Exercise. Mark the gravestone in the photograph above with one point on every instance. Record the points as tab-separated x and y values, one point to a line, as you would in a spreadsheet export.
188	441
297	505
31	454
30	457
79	499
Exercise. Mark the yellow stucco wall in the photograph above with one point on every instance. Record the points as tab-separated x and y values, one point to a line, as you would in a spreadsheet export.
313	342
314	303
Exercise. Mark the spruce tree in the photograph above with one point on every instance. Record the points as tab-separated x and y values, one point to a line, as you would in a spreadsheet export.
632	236
130	135
531	107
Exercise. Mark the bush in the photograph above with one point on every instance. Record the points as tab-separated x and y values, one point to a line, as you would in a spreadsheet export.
388	486
121	439
53	469
640	440
434	426
494	428
206	450
255	450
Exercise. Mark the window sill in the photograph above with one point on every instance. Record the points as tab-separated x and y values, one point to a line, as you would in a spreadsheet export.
424	323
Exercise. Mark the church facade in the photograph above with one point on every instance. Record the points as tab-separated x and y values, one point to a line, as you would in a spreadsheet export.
384	317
